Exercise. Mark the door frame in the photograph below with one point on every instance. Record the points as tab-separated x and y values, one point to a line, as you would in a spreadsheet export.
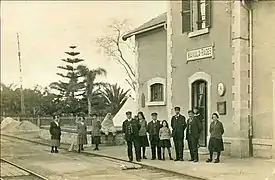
206	77
205	112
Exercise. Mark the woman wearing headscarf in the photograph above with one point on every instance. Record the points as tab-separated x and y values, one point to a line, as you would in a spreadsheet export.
215	142
107	125
55	132
81	134
143	133
96	134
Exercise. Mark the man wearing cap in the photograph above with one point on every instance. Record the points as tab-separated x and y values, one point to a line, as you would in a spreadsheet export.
198	114
130	129
194	128
153	131
178	124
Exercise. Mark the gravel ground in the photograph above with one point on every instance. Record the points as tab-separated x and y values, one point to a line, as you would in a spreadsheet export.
72	166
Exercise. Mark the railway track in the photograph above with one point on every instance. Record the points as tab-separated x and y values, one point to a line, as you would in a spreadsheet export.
12	171
159	173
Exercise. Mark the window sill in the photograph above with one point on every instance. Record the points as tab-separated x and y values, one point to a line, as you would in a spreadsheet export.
156	103
198	32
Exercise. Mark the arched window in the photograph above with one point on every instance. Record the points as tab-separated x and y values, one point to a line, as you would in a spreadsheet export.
156	92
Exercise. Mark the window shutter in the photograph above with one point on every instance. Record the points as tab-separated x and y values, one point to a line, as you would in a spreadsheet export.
142	100
161	92
186	16
207	13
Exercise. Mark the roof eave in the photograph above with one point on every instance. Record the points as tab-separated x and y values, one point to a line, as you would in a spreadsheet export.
126	36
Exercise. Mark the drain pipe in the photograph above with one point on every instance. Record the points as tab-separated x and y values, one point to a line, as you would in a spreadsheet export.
248	7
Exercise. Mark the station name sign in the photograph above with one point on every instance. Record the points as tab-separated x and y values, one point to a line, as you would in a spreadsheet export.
200	53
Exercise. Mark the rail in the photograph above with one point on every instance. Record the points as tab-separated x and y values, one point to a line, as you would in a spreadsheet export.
24	169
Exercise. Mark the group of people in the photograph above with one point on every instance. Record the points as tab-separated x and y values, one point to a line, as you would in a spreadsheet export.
82	132
81	128
135	131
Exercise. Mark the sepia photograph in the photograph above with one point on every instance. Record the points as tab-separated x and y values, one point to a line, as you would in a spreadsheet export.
137	90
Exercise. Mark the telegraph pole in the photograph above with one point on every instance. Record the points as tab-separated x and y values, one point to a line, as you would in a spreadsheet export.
21	78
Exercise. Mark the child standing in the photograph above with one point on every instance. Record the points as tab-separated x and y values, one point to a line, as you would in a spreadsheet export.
165	136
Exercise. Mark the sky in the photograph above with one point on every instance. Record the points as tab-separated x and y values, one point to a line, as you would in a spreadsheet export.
47	28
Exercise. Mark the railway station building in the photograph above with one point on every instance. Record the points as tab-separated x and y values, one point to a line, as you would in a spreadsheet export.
218	56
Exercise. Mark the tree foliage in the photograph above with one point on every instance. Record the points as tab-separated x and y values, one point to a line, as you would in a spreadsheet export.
73	87
91	87
37	101
80	94
40	101
115	97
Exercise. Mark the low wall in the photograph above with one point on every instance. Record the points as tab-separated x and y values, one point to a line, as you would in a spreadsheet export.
68	137
45	121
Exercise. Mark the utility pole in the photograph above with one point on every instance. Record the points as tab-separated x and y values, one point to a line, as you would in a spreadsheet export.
21	78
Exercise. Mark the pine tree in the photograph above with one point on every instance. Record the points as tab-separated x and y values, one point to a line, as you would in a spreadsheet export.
73	88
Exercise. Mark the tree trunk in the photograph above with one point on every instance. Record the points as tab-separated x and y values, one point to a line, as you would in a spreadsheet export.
89	107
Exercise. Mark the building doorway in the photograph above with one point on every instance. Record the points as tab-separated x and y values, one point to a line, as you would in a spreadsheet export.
199	99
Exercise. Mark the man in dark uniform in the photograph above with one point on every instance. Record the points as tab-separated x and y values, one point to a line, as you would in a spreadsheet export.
197	113
130	129
194	128
153	131
178	124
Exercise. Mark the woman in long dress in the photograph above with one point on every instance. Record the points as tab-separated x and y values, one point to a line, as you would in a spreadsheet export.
96	134
55	132
107	125
81	134
143	134
215	142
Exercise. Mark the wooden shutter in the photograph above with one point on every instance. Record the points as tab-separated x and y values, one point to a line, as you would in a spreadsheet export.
142	100
161	92
186	16
152	93
199	18
207	13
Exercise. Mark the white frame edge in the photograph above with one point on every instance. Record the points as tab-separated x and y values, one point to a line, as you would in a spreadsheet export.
198	32
206	77
137	75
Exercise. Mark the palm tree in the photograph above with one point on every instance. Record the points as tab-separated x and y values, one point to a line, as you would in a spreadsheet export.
91	87
115	97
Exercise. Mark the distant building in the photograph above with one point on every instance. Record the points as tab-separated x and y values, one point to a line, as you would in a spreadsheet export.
211	54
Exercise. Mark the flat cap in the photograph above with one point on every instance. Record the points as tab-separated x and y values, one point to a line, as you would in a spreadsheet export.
128	113
177	108
154	114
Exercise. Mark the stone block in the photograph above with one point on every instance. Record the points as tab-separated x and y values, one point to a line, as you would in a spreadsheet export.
240	148
227	149
262	151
